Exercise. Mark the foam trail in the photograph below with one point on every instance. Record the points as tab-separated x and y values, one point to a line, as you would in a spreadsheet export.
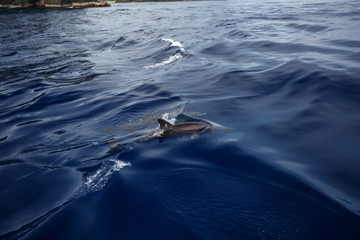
98	180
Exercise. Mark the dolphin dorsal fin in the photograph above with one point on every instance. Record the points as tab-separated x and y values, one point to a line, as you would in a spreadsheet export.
164	124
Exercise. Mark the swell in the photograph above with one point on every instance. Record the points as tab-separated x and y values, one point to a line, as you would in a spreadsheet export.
186	184
73	136
295	108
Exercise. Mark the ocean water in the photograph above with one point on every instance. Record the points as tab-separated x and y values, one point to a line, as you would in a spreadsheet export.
279	79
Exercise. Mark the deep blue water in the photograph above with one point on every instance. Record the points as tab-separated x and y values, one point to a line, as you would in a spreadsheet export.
283	78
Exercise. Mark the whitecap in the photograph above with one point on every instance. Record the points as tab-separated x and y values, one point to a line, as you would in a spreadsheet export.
169	60
174	43
172	58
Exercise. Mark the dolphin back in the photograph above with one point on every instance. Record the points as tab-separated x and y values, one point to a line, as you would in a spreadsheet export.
164	124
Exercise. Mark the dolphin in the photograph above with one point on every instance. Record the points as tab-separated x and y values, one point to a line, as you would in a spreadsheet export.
151	119
186	128
167	129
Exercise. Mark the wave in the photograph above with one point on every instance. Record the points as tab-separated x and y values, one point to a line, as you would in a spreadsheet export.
172	58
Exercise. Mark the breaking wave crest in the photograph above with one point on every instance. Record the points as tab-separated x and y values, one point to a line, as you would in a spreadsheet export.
169	60
174	43
178	54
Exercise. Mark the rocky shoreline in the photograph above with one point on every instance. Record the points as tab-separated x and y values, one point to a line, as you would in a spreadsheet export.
68	3
52	3
128	1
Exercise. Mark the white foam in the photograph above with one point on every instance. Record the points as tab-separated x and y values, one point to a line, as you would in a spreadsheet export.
157	133
98	180
169	60
165	116
174	43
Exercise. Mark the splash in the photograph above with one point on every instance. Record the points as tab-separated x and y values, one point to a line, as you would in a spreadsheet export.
99	179
166	117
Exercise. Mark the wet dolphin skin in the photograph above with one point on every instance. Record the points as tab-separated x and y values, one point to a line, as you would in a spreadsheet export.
187	128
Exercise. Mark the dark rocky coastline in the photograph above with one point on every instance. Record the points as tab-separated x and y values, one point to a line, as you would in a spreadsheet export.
127	1
68	3
52	3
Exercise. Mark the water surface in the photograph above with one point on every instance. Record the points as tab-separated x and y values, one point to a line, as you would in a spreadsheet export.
282	76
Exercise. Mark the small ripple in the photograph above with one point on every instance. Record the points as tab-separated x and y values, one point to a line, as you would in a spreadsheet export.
10	54
288	47
346	43
308	27
268	18
238	34
28	122
10	161
3	138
